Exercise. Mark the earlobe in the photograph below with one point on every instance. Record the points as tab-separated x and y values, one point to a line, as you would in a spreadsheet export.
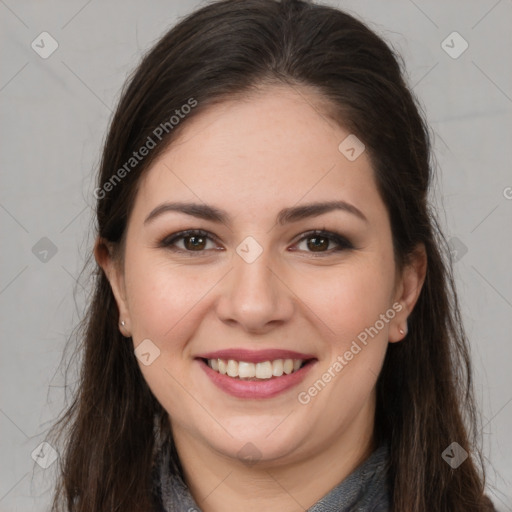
104	255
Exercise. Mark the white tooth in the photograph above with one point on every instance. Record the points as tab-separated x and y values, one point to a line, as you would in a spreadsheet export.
232	368
288	366
246	370
264	370
222	366
277	368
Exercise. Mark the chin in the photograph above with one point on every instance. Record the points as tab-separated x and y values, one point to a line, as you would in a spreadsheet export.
266	442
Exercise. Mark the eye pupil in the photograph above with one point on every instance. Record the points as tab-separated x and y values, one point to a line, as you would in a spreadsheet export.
321	242
194	242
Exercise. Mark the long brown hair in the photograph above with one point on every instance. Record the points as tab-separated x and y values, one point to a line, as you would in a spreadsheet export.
113	426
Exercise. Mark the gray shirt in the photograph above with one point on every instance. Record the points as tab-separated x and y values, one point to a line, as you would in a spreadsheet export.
366	489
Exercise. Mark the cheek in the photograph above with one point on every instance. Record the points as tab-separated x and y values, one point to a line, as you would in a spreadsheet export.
349	305
167	304
165	299
348	299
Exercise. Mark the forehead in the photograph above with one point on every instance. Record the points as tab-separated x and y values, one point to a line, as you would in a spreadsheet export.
256	155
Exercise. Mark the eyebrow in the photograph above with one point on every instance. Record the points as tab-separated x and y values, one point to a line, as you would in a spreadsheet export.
285	216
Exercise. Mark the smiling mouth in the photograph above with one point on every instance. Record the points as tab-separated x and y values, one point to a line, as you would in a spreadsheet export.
248	371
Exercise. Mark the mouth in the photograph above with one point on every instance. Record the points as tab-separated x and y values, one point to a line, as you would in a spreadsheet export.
245	370
262	374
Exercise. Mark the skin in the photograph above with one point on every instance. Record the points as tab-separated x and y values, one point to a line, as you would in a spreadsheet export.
252	158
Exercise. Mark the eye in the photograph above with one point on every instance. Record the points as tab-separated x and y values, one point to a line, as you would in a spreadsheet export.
192	241
320	241
196	241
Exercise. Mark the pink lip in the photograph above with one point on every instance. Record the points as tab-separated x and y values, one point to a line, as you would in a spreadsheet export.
255	356
256	389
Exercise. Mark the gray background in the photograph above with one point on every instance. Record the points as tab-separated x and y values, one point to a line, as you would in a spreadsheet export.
55	113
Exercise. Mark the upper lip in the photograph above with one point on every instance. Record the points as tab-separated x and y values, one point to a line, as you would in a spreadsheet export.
255	356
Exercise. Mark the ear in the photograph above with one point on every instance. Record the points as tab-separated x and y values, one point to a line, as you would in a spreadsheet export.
112	266
408	289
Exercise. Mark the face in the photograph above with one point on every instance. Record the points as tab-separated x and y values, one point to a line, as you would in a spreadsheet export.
263	280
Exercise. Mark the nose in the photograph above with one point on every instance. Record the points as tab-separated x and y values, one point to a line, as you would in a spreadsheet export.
254	295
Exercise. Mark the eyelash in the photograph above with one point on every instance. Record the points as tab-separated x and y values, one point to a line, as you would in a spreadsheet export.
342	243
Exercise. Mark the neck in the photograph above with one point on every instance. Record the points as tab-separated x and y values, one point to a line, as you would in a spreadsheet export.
216	480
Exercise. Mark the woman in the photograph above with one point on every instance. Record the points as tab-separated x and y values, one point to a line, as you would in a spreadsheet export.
274	324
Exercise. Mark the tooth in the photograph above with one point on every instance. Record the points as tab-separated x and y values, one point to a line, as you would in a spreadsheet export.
222	366
264	370
232	368
246	370
277	368
288	366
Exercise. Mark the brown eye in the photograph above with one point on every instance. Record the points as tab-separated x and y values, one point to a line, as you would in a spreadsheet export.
189	242
194	243
317	243
324	242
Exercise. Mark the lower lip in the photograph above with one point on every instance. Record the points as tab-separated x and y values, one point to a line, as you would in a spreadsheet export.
256	389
